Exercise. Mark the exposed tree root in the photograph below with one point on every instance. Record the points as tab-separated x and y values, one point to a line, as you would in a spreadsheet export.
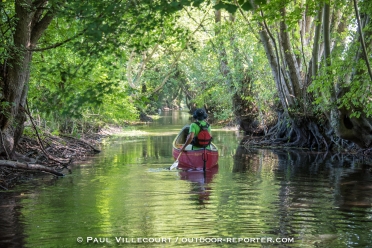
299	132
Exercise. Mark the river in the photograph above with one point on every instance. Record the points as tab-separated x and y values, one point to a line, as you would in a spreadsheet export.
125	196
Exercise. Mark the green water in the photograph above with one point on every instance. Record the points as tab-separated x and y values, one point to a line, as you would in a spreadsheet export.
125	196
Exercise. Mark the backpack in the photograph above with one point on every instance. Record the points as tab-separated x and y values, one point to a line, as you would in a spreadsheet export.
204	138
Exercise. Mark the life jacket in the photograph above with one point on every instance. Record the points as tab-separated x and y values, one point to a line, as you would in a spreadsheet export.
204	138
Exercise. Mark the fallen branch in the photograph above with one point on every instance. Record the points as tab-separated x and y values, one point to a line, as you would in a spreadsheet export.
82	142
26	166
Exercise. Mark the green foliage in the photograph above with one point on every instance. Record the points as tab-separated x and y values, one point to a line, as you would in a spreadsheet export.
85	80
232	6
7	27
72	83
339	74
229	7
248	75
28	131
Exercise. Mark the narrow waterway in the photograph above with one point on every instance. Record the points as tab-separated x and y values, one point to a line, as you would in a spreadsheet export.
125	196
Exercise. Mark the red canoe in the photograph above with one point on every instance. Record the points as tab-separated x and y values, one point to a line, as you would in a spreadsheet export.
193	159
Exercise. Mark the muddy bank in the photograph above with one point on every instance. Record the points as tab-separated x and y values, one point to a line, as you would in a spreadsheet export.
48	153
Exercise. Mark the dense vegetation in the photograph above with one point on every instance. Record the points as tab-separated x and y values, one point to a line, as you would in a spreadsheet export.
296	71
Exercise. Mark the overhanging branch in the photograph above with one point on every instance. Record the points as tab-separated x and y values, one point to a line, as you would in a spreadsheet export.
57	44
172	69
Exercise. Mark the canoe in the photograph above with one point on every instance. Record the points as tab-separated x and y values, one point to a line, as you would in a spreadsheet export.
193	159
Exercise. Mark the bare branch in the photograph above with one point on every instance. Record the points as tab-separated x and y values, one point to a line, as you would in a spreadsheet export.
146	59
26	166
8	22
62	161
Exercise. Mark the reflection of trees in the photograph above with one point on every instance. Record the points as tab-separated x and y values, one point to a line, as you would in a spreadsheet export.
244	161
356	189
249	160
312	188
347	176
11	230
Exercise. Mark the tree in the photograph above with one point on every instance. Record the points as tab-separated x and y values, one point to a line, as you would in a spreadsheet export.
24	25
101	26
319	64
225	70
306	44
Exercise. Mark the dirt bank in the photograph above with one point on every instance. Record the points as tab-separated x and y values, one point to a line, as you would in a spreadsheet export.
48	153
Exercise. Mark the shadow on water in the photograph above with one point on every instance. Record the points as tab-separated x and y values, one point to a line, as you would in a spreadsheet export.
317	199
329	196
348	176
11	234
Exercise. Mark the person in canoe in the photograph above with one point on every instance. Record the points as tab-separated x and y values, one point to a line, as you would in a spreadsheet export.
199	133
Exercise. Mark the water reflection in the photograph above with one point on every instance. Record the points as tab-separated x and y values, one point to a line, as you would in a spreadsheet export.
321	199
200	184
317	199
356	189
11	230
201	177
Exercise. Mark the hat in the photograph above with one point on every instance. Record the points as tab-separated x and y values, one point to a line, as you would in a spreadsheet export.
200	114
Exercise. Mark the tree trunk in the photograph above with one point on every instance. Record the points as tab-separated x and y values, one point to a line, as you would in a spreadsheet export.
289	58
31	23
273	58
237	80
300	127
315	55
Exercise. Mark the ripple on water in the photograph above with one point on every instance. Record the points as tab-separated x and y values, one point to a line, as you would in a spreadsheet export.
128	192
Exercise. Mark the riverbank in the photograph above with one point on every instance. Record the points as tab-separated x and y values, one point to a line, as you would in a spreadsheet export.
129	181
52	154
47	152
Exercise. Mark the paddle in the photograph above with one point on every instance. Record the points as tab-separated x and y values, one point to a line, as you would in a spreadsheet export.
175	164
204	160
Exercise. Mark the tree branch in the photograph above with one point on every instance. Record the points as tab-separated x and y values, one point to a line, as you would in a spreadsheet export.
362	39
146	59
57	44
248	22
326	34
38	3
177	58
267	33
8	21
40	27
26	166
291	62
